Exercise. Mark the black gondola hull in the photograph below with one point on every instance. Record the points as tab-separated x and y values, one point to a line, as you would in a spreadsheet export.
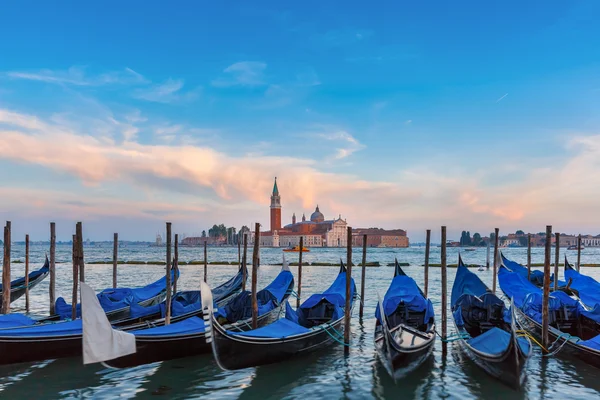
19	291
399	361
233	352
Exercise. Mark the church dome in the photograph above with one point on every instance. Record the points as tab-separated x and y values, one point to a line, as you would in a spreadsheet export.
317	216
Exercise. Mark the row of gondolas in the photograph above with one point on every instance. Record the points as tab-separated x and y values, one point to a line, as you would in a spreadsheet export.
494	336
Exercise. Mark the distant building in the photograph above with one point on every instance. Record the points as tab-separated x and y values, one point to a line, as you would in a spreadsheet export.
377	237
317	231
199	241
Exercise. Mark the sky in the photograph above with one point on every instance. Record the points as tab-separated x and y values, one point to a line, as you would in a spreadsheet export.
407	115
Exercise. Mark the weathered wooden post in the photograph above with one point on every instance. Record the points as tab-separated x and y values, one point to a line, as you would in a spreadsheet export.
444	285
556	260
239	251
487	256
496	230
115	257
348	309
205	262
300	272
52	287
528	256
26	273
255	261
578	252
80	258
546	295
362	277
427	245
176	264
6	271
168	272
245	263
75	258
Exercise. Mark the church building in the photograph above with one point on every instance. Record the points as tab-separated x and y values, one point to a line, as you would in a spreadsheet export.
317	231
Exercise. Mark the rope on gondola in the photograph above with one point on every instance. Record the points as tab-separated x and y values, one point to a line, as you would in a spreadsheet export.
453	337
324	327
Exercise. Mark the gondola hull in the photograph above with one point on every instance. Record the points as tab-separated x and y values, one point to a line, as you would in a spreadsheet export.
17	291
569	349
234	352
169	347
397	360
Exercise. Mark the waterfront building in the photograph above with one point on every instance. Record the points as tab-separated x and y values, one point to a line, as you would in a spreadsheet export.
316	231
377	237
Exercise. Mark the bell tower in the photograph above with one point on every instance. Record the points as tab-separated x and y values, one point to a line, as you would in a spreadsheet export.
275	208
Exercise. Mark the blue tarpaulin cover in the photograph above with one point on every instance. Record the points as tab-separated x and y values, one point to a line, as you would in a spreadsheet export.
593	343
15	320
336	294
536	277
58	329
466	282
404	289
114	299
279	329
588	287
496	341
187	326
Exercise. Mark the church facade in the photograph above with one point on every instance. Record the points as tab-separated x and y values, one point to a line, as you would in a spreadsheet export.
316	231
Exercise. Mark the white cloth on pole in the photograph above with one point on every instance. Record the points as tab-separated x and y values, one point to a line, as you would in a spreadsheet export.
100	341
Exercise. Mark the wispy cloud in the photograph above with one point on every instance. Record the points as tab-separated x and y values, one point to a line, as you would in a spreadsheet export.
169	91
501	97
243	73
349	144
77	76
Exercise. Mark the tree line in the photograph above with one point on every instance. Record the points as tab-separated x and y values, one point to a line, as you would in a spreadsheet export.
231	235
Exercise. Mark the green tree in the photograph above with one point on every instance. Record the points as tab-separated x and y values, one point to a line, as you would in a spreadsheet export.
519	232
203	234
476	239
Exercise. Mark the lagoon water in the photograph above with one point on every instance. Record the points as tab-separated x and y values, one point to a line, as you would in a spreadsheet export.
327	374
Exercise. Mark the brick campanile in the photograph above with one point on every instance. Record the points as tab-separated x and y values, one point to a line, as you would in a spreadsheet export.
275	208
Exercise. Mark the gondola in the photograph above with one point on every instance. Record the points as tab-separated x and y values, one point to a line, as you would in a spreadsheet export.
585	287
405	326
188	337
487	329
17	287
536	277
315	325
43	341
572	327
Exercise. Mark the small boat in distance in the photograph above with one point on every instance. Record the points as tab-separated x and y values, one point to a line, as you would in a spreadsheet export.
574	247
296	249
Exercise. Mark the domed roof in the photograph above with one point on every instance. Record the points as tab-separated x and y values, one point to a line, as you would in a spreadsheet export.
317	216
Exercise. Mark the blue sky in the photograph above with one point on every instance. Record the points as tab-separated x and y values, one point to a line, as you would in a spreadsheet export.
125	114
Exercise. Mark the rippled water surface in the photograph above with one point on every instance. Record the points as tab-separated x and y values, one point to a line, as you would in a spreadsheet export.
328	374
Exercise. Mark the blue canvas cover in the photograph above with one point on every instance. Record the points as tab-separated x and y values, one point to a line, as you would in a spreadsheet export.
496	341
536	277
240	307
335	294
187	326
57	329
137	311
466	282
404	289
114	299
15	320
588	287
280	329
593	343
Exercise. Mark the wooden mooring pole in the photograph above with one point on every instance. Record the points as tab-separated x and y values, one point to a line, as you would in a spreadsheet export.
529	256
245	263
300	272
348	309
556	260
239	251
487	256
578	252
26	273
176	264
6	271
427	245
80	258
168	272
546	295
255	261
444	285
115	257
52	285
75	259
362	277
496	238
205	262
